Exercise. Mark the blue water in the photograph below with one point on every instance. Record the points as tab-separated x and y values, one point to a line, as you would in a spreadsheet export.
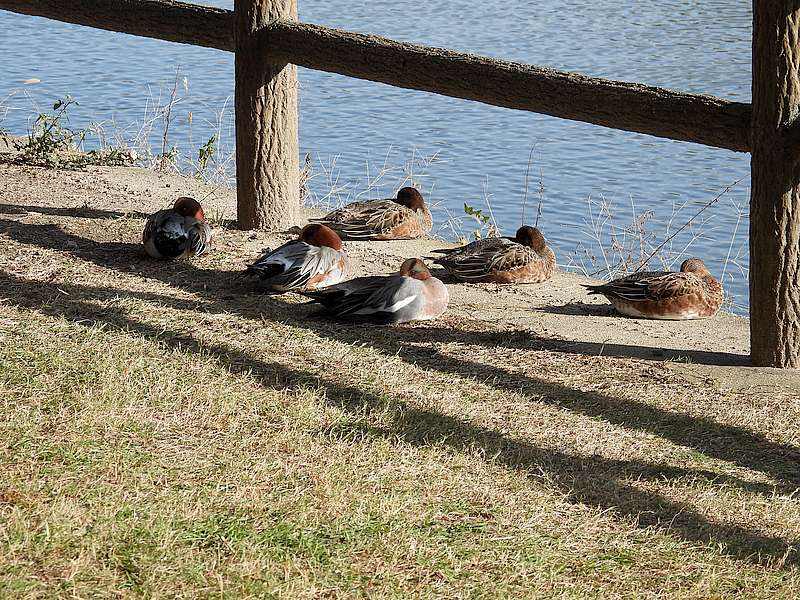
352	128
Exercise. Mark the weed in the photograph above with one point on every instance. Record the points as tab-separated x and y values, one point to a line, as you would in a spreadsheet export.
525	192
50	136
484	222
612	247
206	154
53	143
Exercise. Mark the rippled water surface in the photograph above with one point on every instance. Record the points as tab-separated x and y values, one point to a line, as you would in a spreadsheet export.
353	129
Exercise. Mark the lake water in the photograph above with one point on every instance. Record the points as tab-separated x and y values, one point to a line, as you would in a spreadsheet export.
365	138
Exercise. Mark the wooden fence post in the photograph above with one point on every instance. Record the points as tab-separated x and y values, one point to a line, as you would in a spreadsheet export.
267	147
775	188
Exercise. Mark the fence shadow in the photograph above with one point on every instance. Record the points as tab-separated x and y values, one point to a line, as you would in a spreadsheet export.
224	293
593	480
738	445
581	309
83	212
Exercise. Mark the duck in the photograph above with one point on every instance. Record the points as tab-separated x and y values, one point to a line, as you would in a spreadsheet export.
525	258
402	218
412	294
177	232
691	293
312	261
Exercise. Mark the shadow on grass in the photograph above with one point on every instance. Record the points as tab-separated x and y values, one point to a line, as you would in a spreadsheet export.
581	309
83	212
593	480
224	293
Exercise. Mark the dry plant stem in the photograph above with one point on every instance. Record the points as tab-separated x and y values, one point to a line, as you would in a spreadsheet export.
541	196
525	194
494	229
165	138
689	222
730	246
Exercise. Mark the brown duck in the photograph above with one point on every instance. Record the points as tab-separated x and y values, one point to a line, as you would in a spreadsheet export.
692	293
525	258
401	218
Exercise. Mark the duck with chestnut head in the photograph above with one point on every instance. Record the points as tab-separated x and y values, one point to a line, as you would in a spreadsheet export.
525	258
691	293
412	294
314	260
401	218
177	232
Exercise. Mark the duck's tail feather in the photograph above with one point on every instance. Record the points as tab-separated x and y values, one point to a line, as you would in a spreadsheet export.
594	288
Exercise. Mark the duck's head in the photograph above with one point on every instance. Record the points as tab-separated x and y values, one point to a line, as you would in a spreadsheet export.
415	268
531	236
189	207
410	198
696	266
321	235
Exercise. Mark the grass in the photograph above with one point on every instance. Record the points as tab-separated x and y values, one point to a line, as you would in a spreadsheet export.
147	461
166	435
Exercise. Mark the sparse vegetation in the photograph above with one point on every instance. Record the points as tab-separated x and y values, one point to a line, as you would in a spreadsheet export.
615	239
205	155
483	221
53	143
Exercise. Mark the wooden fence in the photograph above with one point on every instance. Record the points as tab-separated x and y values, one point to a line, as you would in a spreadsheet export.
268	43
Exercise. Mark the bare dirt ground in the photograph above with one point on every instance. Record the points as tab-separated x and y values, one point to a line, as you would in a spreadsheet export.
97	215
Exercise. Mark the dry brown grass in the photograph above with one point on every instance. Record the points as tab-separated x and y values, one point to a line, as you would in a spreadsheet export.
167	433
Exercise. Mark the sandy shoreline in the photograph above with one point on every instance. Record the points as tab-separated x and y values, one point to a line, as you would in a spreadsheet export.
102	208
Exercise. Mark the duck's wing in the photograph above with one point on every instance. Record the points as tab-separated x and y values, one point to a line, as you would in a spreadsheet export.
377	299
648	285
199	237
292	265
147	232
323	265
155	222
472	247
494	255
367	219
282	267
344	213
674	285
349	292
165	235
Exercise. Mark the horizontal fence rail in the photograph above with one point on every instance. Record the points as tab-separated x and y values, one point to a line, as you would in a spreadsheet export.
159	19
621	105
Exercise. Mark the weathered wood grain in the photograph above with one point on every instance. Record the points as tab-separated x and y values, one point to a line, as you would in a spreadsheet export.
630	106
267	145
160	19
775	187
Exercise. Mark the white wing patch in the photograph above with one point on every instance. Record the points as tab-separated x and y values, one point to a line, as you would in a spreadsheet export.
383	308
